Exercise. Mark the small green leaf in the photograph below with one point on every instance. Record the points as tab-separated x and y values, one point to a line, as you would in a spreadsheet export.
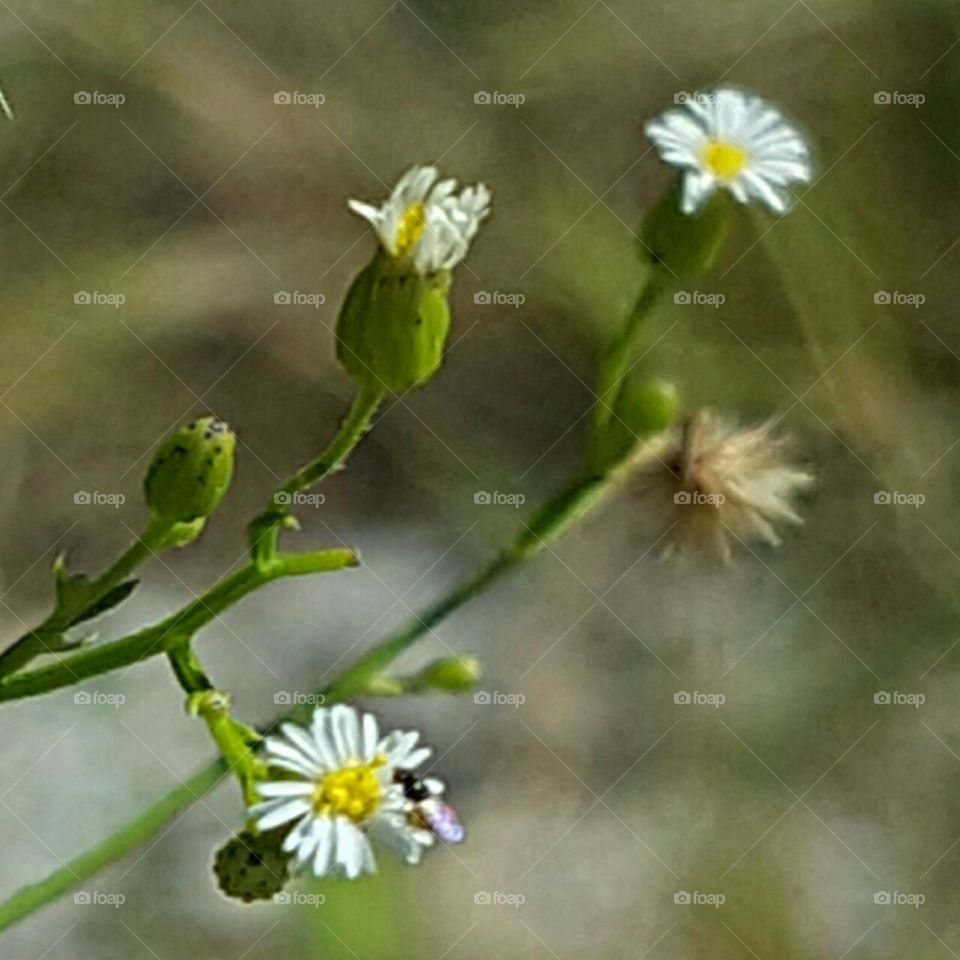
113	598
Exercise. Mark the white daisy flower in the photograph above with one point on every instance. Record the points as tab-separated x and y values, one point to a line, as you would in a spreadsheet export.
425	222
734	140
348	784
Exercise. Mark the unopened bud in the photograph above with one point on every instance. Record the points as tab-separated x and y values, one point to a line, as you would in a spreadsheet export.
455	675
252	866
190	472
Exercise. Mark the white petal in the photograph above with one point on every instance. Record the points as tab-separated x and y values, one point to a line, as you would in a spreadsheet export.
346	732
324	838
303	741
284	788
282	750
371	736
273	813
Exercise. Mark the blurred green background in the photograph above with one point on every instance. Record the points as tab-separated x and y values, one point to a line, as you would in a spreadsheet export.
599	799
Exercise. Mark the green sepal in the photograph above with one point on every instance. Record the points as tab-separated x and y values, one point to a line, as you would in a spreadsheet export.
684	244
189	475
393	326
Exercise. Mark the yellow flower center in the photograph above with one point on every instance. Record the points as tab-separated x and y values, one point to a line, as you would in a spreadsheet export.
724	160
352	791
409	229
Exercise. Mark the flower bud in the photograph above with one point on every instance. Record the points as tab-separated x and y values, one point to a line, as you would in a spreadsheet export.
686	245
642	408
190	473
454	675
252	866
393	325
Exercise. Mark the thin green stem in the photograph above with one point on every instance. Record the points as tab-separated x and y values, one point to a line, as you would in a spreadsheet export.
265	530
32	897
548	523
161	637
48	637
615	365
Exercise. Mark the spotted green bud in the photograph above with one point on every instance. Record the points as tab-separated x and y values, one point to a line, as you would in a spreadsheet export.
190	473
642	408
684	244
393	326
252	866
453	675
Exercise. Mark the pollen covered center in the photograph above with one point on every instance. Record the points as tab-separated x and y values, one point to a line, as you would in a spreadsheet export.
352	791
409	229
724	160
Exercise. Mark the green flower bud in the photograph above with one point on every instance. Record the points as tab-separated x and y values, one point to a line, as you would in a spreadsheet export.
685	244
252	866
455	675
393	325
642	408
190	473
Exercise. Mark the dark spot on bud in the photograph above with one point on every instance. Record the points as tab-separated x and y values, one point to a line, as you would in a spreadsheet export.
180	448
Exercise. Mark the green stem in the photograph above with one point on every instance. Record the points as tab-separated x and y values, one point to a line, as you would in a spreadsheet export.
48	637
32	897
548	523
265	529
163	636
616	362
